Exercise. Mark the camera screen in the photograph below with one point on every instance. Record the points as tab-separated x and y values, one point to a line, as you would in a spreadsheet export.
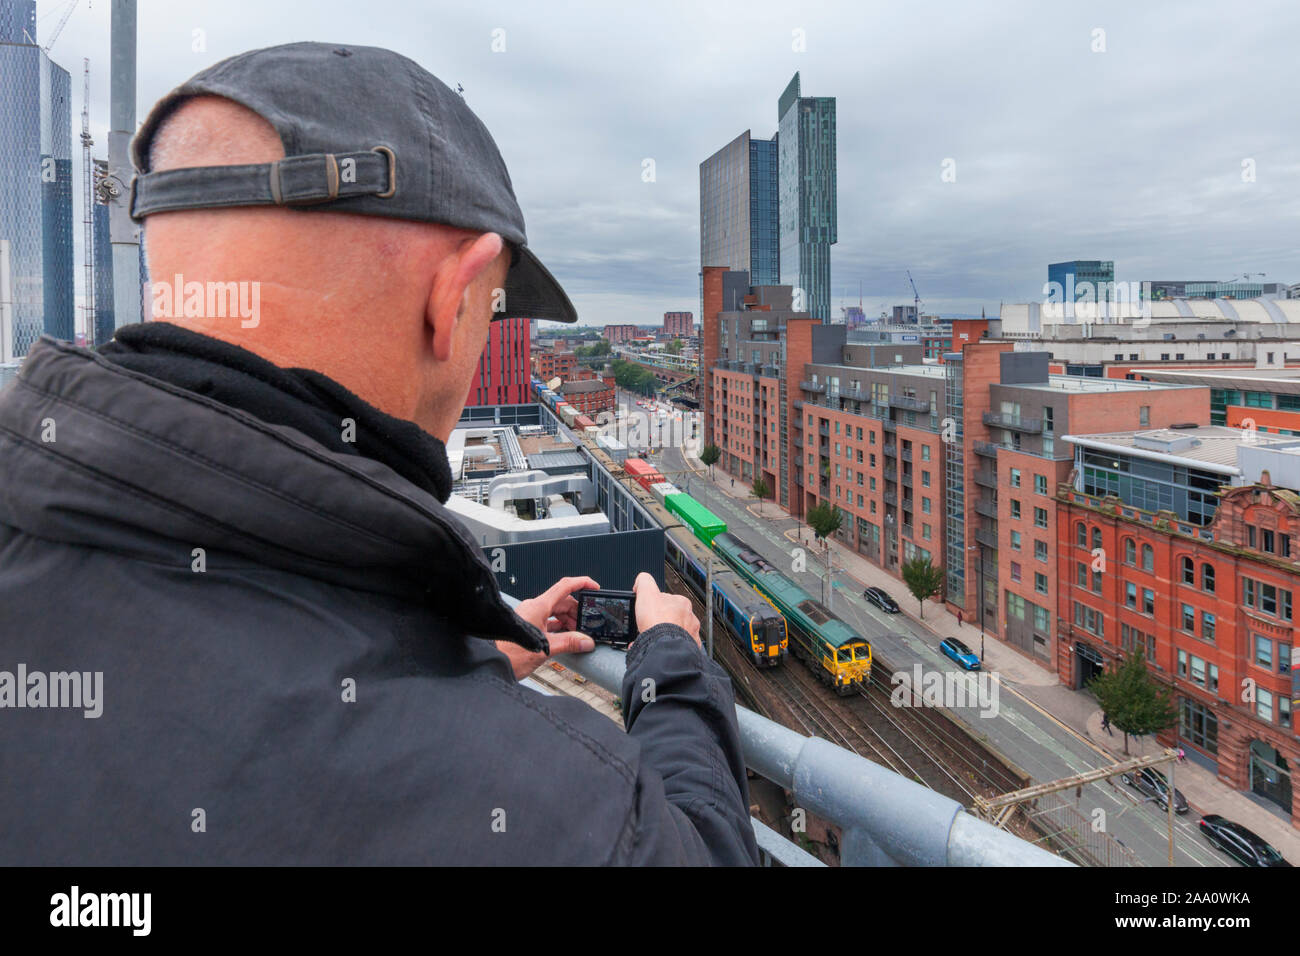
606	618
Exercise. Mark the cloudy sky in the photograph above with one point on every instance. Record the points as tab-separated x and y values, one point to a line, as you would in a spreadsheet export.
1160	135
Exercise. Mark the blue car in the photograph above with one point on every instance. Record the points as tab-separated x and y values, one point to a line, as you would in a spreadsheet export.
960	653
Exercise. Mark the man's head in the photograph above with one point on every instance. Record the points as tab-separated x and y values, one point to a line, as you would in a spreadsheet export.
394	310
361	200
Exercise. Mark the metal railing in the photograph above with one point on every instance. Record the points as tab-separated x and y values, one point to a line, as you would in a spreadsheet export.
987	538
815	387
989	479
909	402
986	448
885	819
1031	425
987	508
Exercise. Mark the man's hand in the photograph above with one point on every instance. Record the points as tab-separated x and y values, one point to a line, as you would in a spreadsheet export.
655	607
556	613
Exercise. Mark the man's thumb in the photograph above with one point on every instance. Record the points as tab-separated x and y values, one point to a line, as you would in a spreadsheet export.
570	642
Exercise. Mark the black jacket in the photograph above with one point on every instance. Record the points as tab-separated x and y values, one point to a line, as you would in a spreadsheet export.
288	677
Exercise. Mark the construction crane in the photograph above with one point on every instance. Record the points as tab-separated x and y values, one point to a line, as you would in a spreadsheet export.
58	28
916	297
87	202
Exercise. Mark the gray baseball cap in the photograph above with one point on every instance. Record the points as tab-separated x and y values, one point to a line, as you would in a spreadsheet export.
365	131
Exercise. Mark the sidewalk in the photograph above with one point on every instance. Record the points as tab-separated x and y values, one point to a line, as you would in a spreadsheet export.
1076	711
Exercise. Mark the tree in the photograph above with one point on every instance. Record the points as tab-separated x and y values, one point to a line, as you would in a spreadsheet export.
709	456
1135	703
923	579
675	347
759	490
825	519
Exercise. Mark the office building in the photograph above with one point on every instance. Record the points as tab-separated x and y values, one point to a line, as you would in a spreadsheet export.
679	324
35	180
738	208
806	196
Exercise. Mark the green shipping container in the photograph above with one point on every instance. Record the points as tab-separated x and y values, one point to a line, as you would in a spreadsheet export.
703	522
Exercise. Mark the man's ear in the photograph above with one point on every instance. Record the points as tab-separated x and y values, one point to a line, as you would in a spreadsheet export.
449	297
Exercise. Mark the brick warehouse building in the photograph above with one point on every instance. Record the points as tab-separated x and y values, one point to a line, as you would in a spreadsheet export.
590	397
679	324
503	373
1205	586
554	363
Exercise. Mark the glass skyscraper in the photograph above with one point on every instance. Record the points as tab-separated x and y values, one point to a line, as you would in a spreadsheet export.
35	180
807	199
738	209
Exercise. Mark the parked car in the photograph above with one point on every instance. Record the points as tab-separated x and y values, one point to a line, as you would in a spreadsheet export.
1241	844
960	653
1152	783
881	600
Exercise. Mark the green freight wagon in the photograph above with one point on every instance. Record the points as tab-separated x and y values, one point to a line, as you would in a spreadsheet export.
703	522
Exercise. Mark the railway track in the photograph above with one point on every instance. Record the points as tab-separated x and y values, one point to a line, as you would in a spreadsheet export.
908	740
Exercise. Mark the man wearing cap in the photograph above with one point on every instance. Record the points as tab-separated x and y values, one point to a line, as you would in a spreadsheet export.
232	525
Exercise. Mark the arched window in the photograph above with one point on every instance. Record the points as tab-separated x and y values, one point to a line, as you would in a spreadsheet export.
1081	534
1207	578
1096	538
1189	570
1130	552
1148	558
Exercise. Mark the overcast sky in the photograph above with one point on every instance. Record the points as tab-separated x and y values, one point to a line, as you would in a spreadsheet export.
1133	154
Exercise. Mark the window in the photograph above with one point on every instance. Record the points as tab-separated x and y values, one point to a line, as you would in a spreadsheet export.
1189	570
1189	618
873	483
925	532
1081	574
1040	517
837	449
1015	540
1283	658
1148	558
1015	606
1040	582
1207	578
1096	538
1130	551
873	459
1081	534
925	479
925	453
1040	550
1266	540
1015	477
1263	651
1144	414
859	435
1040	484
1015	570
1148	601
1130	595
925	506
1263	704
1207	626
1015	508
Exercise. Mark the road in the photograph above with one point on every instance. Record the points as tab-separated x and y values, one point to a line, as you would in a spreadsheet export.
1042	746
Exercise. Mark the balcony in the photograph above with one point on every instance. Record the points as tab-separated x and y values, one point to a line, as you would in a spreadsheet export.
907	530
989	479
891	450
824	430
909	402
986	448
797	442
987	508
891	498
886	819
815	387
907	454
854	395
797	405
987	538
891	474
907	480
1032	426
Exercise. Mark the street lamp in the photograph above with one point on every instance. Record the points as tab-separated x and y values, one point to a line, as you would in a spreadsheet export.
976	547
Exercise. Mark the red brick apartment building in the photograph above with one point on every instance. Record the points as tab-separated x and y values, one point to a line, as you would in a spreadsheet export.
1204	587
554	363
503	369
679	324
620	333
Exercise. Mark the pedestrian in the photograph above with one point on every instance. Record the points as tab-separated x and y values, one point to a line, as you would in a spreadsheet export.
733	481
1182	756
1105	723
959	617
254	506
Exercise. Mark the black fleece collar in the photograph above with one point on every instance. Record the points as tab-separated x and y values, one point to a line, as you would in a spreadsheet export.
300	398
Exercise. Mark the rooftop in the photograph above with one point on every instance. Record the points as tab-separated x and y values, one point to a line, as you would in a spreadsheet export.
1083	383
1211	447
577	388
1254	379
